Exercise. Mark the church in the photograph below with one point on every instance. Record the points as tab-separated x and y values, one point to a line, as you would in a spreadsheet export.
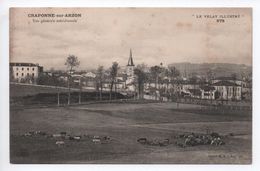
125	80
130	77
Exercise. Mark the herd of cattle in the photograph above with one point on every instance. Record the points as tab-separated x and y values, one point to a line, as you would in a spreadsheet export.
185	140
199	139
182	140
62	137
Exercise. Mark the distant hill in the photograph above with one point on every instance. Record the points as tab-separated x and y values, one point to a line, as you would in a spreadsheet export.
219	69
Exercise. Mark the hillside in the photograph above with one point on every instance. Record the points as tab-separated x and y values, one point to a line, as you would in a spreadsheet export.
220	69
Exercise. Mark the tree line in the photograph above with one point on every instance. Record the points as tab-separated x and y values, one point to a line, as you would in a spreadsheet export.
159	79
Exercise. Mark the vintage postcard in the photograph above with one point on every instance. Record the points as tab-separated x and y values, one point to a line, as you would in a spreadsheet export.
130	85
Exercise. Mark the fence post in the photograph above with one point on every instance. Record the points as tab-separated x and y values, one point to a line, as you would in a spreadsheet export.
58	98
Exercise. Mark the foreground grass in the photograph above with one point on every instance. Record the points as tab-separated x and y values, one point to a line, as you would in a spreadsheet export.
125	123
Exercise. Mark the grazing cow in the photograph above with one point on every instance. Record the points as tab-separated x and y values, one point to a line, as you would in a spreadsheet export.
96	136
77	138
164	142
28	134
142	140
106	138
96	140
56	135
60	143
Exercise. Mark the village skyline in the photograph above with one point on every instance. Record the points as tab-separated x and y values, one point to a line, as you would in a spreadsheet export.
123	64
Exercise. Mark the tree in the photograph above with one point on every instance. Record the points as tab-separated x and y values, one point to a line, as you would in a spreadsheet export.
113	74
11	72
99	79
194	78
43	79
210	75
28	79
172	73
71	62
155	72
234	76
141	78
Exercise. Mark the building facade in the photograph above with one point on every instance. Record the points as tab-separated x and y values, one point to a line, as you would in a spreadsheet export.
208	92
228	90
25	72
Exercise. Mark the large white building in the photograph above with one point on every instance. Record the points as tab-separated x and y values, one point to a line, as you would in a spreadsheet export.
25	72
228	90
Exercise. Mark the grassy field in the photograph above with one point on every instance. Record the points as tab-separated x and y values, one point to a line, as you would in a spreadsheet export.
21	90
125	123
26	94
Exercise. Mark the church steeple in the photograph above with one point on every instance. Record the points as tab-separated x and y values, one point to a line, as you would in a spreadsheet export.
130	60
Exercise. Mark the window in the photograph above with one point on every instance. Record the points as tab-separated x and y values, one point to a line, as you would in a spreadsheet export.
16	74
27	69
33	69
22	69
33	74
17	69
27	74
22	74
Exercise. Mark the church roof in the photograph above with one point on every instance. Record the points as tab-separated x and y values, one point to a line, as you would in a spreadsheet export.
130	60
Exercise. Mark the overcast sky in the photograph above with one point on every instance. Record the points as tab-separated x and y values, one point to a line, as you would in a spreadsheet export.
155	35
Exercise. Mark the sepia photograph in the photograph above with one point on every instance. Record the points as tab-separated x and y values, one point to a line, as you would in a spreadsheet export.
130	85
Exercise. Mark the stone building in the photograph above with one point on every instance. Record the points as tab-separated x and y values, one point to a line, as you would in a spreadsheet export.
25	72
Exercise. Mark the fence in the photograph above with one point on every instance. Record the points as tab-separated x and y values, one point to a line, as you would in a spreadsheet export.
217	104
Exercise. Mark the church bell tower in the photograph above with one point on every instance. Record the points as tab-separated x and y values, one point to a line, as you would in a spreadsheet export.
130	66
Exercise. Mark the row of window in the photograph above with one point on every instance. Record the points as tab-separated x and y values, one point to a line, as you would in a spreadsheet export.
17	74
23	69
229	88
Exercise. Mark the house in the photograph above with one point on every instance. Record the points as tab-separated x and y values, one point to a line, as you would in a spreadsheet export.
199	92
25	72
208	92
229	79
185	87
194	93
247	91
90	74
226	90
77	78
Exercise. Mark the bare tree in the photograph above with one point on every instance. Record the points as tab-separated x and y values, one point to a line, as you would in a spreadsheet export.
155	72
71	62
141	78
234	76
80	89
113	74
100	78
173	73
210	75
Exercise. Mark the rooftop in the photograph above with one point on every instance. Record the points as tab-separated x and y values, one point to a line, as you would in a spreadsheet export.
22	64
225	83
227	78
207	88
